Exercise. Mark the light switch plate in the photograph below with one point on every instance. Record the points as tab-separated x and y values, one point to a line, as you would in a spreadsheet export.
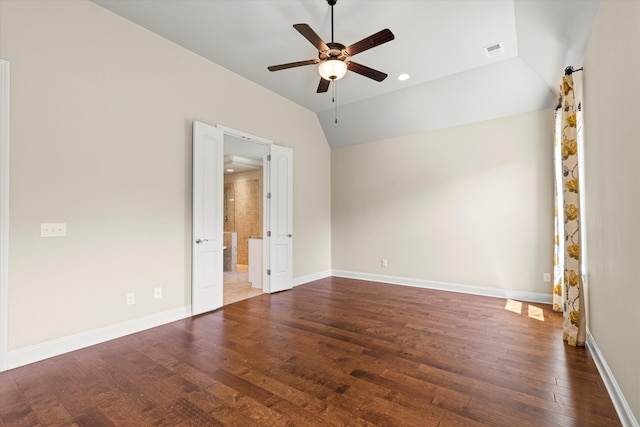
53	229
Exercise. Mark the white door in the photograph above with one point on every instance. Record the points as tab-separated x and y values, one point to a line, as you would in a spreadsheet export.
280	221
207	236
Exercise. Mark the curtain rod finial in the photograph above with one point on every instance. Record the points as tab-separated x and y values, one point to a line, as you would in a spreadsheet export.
569	70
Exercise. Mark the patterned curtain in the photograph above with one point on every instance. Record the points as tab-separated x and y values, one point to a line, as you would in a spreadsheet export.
558	246
568	290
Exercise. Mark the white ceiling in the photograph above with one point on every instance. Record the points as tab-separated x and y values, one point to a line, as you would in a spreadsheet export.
440	43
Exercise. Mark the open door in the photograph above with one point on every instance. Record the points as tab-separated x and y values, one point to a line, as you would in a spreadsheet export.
280	220
207	236
208	216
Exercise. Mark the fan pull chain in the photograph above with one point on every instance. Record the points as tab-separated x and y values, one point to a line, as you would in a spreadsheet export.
335	100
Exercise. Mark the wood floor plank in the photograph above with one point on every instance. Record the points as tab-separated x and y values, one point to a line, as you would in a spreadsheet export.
15	410
46	406
334	352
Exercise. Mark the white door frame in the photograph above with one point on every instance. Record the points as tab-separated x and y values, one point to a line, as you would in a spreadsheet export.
4	213
266	284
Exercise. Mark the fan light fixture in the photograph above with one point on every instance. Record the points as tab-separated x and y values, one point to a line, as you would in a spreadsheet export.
332	57
332	69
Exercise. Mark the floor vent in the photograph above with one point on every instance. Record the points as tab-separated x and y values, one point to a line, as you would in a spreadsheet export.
494	50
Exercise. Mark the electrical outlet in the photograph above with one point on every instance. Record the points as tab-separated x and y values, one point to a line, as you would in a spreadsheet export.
546	277
384	262
157	292
131	298
51	229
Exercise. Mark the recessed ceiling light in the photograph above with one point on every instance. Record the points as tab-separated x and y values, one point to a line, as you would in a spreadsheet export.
229	170
404	76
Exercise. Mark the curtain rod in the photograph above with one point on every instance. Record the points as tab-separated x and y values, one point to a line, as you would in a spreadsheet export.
569	70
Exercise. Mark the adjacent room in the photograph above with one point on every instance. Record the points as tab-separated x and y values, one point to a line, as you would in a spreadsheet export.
243	214
319	212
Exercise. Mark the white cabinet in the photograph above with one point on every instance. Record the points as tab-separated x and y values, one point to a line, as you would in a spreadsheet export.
255	262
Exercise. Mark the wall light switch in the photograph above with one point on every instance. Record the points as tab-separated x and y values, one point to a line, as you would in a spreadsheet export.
546	277
53	229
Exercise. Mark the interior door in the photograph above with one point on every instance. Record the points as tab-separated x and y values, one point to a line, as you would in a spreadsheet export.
207	226
280	233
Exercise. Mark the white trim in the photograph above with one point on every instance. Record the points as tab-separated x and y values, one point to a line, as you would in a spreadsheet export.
4	213
244	135
451	287
45	350
619	402
311	278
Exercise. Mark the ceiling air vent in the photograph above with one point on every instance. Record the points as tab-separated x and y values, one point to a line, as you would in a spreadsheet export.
494	50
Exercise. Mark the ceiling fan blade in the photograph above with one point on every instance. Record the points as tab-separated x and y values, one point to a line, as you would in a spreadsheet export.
311	35
323	86
293	64
366	71
372	41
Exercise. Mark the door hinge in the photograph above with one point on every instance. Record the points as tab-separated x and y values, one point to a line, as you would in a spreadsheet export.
268	233
268	157
268	272
268	195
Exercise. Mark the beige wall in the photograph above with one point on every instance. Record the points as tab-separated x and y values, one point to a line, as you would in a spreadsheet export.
101	113
612	153
469	205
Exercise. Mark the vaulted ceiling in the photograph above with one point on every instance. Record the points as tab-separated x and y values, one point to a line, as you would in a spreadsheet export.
439	43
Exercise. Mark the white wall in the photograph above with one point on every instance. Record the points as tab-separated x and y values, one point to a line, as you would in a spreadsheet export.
469	205
612	152
101	115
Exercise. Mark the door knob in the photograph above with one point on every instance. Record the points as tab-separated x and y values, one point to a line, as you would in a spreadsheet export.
198	241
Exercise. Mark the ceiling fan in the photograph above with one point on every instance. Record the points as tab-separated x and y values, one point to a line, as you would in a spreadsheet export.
333	57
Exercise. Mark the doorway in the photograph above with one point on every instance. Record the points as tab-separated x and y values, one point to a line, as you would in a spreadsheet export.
208	216
243	224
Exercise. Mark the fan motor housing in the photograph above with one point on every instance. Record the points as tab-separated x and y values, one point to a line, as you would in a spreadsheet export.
335	51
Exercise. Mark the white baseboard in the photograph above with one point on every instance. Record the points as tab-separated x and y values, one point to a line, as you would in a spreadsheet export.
311	277
45	350
619	402
451	287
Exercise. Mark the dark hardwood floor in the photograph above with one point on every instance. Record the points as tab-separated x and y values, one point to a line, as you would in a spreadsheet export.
332	352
